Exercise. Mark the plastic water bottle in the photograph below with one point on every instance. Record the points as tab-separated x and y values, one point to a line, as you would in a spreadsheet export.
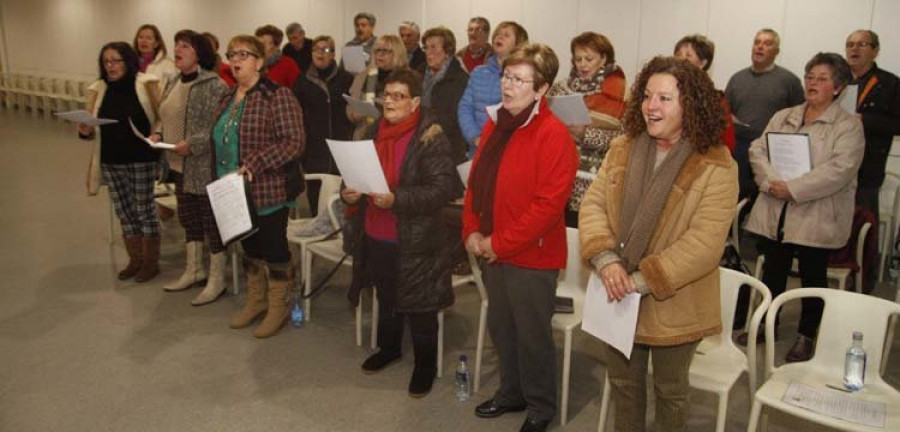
463	391
297	314
855	364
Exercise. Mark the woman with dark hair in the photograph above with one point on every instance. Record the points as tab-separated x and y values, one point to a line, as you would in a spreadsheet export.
280	68
699	50
388	54
320	92
654	223
444	82
185	118
127	164
222	68
595	75
151	49
400	250
808	216
258	132
513	221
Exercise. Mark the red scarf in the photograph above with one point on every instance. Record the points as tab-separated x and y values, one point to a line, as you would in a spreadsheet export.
388	134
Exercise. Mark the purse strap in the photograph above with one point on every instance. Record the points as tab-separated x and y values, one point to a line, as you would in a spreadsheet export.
321	285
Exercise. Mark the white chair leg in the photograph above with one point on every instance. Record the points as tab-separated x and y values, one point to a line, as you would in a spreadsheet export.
842	285
604	404
567	360
440	348
883	248
754	416
374	337
359	321
722	412
888	343
306	260
479	348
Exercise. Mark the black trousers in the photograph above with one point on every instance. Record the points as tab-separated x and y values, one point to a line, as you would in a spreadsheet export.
382	269
269	242
813	264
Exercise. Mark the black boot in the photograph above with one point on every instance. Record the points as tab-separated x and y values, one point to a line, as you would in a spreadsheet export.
390	336
424	334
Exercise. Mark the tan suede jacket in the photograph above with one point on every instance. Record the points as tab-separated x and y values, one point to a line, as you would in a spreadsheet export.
681	266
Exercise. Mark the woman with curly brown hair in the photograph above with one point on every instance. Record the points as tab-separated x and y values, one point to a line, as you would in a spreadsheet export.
654	223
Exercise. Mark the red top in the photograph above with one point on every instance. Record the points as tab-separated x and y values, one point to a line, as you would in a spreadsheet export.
728	134
284	72
381	224
226	75
470	62
534	182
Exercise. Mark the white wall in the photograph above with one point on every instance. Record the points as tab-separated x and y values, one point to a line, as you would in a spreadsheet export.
62	37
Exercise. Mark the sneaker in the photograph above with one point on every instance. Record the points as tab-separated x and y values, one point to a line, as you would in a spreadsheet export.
379	361
801	351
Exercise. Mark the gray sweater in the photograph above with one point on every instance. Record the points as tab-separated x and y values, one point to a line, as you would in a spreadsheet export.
755	97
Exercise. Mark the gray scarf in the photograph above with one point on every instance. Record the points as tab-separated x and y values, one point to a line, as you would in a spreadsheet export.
645	195
432	78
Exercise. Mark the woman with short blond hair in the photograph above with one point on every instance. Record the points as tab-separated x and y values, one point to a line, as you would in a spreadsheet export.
388	54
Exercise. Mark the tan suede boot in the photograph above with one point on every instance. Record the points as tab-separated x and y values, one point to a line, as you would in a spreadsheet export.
215	285
150	264
193	269
133	245
281	278
256	294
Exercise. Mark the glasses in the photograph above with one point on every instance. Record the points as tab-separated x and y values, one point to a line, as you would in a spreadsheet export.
383	51
860	44
513	80
113	61
397	97
323	50
240	55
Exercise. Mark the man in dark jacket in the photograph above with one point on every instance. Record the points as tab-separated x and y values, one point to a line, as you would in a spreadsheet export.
409	33
320	92
299	47
878	104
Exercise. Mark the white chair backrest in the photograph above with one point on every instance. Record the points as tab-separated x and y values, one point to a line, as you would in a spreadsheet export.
735	227
476	273
888	192
336	211
730	284
845	312
576	273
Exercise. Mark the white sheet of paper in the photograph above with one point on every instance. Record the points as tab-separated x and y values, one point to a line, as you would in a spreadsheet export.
354	58
613	322
832	403
82	116
463	170
229	205
789	154
361	107
359	166
570	109
848	98
156	145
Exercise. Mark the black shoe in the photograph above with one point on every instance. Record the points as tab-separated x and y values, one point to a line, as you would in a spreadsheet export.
532	425
421	381
802	350
379	361
491	408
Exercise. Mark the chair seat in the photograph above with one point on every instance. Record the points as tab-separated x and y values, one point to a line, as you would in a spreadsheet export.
332	250
568	321
774	389
716	367
296	226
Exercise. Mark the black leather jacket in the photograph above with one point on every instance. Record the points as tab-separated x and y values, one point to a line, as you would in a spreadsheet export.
880	112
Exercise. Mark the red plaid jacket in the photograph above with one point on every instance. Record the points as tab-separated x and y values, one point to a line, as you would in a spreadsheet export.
271	137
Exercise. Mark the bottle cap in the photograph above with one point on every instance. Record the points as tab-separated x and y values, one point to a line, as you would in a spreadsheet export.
857	335
463	358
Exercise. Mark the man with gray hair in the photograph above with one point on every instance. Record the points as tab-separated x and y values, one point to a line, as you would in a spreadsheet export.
410	33
755	94
364	26
478	50
299	47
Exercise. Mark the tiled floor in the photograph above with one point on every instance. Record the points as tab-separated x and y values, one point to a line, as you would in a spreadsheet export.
81	351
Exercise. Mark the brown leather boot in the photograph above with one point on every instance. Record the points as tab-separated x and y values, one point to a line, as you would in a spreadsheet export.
134	247
256	294
281	278
150	264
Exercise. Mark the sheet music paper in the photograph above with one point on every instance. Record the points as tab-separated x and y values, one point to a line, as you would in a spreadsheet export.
82	116
789	154
354	59
848	98
156	145
570	109
463	170
613	322
361	107
834	404
359	166
229	205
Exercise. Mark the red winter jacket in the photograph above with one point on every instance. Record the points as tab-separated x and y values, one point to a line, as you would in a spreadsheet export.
533	184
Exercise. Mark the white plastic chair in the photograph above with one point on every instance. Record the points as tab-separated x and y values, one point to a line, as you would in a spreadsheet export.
870	316
573	285
482	319
888	216
735	228
718	363
312	246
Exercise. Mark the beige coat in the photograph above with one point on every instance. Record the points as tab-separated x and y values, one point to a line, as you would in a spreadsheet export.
149	95
681	266
821	214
